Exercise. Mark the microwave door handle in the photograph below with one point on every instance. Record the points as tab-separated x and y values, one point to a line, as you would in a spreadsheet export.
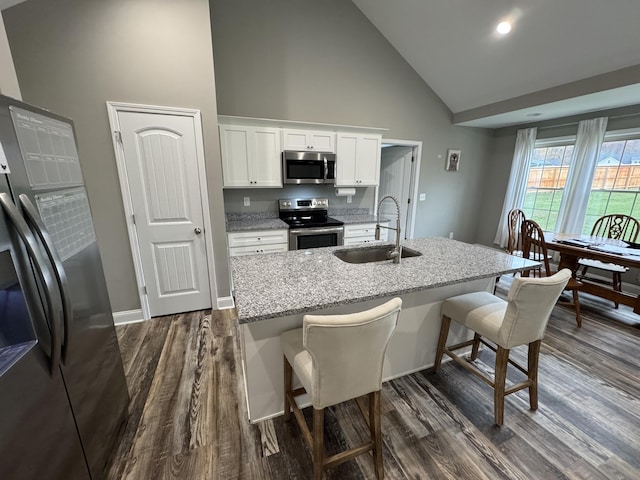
326	168
37	226
53	308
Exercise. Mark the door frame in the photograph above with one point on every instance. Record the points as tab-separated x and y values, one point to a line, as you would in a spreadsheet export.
113	108
413	181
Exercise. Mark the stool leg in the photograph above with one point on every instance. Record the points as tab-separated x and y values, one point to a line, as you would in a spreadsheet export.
376	432
476	346
442	341
288	374
534	355
502	356
318	443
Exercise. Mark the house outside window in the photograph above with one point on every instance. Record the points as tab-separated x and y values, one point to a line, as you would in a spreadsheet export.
615	187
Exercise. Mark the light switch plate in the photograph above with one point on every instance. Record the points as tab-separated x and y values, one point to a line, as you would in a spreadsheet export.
246	201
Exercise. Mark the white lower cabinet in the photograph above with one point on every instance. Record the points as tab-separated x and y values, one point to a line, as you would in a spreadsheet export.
364	233
258	242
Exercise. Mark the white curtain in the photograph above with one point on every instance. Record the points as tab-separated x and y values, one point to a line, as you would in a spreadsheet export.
580	176
514	198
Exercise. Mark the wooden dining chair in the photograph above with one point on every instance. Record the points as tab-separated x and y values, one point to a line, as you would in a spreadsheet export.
535	248
616	226
515	217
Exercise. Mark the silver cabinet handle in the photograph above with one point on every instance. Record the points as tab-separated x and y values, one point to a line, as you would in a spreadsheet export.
198	230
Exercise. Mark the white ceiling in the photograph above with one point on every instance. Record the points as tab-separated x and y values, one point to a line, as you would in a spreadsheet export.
563	57
9	3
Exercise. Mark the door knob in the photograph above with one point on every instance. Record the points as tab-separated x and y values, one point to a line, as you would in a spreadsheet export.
198	230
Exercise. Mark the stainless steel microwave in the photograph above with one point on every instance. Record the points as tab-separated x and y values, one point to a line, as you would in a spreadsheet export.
308	167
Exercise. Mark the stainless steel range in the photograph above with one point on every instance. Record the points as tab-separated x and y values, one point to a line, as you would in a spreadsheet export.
309	224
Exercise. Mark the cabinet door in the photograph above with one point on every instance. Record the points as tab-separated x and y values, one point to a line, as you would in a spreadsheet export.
250	156
346	154
311	140
358	160
266	167
295	140
322	141
235	148
368	160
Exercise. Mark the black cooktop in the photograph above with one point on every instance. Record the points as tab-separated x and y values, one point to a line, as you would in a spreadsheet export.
310	221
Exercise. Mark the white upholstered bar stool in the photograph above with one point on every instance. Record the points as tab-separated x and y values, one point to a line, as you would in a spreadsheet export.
338	358
521	320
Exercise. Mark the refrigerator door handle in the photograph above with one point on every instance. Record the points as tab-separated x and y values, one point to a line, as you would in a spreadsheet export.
52	307
38	227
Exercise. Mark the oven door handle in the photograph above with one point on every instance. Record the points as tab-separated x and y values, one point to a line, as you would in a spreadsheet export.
312	231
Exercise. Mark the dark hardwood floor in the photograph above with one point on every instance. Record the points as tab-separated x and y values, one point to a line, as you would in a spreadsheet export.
188	411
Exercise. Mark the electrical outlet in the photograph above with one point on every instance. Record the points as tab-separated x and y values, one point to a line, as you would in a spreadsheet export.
423	197
349	198
246	201
450	234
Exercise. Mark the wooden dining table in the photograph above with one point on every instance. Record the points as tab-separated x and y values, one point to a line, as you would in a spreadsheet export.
573	247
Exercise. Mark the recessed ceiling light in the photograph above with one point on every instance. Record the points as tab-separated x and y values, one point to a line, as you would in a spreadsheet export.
503	28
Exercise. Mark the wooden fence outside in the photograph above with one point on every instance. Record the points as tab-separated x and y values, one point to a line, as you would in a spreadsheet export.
610	177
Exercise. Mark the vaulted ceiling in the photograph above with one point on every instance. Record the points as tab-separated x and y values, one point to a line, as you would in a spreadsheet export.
562	57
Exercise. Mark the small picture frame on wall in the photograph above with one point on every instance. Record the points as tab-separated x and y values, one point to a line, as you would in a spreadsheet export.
453	160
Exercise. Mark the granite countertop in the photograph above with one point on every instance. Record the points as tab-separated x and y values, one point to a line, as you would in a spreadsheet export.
300	281
249	224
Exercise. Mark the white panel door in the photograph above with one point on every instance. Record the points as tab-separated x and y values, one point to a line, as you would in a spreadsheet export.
395	179
161	166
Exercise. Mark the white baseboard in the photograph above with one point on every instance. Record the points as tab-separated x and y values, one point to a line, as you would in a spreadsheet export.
128	316
225	303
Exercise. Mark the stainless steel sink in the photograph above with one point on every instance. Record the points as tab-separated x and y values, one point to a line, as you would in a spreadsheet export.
378	253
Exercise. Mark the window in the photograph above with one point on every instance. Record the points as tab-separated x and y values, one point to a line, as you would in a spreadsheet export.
546	180
616	182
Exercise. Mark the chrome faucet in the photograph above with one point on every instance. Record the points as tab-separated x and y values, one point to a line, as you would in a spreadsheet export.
396	253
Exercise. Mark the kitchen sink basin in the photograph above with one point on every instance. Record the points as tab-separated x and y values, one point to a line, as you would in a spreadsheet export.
372	254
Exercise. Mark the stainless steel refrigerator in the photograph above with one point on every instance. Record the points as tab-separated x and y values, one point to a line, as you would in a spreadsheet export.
63	396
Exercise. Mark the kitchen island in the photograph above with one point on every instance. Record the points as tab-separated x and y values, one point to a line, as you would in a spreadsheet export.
273	293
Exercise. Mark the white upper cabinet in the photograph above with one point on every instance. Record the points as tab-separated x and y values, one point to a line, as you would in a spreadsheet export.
311	140
250	156
358	159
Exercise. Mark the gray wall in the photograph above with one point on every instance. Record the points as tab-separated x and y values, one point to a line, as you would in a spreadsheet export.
8	79
71	56
323	61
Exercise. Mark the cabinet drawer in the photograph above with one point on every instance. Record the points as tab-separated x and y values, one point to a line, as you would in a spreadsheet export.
359	230
258	249
258	238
